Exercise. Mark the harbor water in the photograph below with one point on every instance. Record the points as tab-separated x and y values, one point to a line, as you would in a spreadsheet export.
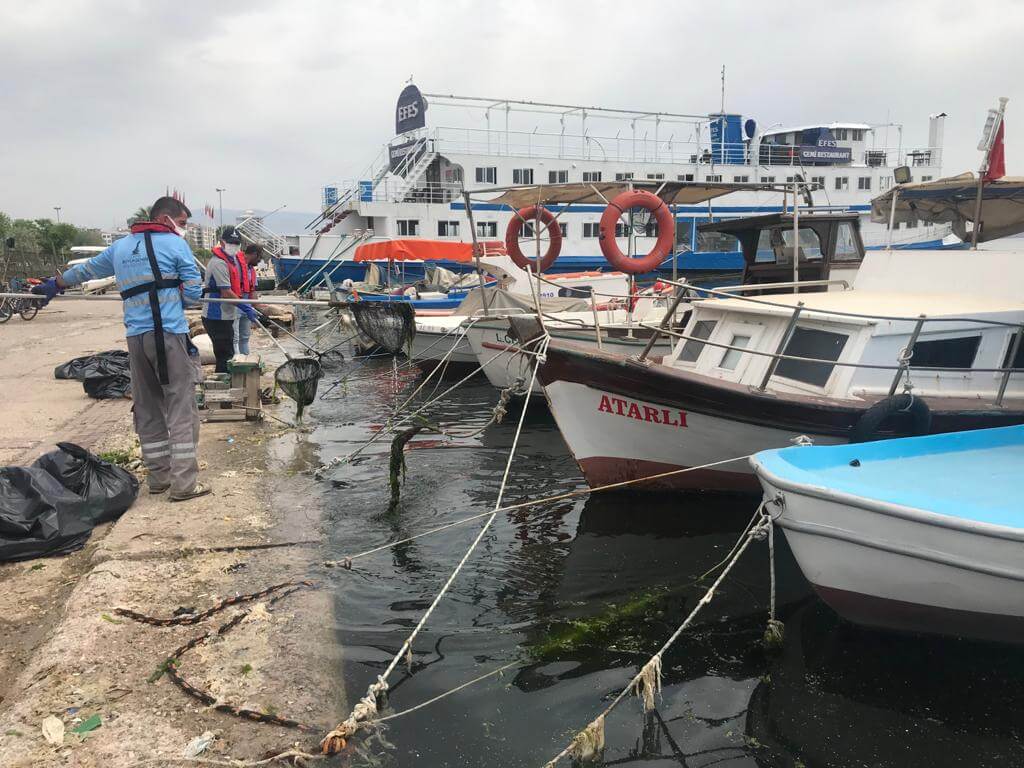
580	593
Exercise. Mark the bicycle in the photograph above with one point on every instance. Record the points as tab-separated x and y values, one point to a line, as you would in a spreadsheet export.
27	308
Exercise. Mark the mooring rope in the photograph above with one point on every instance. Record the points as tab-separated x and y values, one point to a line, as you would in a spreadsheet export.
366	709
588	743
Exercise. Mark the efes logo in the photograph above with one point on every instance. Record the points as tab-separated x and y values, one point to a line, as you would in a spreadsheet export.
411	111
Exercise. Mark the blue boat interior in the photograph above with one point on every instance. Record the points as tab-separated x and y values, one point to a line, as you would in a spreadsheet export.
973	475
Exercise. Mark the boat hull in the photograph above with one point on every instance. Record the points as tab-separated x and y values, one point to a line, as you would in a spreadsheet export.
627	420
906	570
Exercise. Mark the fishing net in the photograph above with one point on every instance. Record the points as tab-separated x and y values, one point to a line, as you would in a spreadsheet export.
391	324
299	378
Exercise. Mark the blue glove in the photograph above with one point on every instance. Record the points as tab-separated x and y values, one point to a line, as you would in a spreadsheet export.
47	288
248	311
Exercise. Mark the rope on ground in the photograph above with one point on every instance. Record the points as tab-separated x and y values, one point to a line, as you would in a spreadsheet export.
366	709
646	684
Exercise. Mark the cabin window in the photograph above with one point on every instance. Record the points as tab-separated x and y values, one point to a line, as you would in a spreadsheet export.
558	177
911	224
857	134
819	180
841	134
884	183
655	176
522	176
717	242
1018	360
864	182
685	177
926	178
408	227
810	243
692	348
447	229
811	342
487	175
767	179
846	243
591	229
487	229
684	232
624	176
842	183
945	353
732	357
527	231
591	175
740	179
714	178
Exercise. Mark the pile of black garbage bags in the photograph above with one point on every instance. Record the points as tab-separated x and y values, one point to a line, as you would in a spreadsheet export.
51	507
104	376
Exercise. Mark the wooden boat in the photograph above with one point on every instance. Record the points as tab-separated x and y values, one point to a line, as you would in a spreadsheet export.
922	534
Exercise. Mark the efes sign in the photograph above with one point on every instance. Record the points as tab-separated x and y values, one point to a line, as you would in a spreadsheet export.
411	111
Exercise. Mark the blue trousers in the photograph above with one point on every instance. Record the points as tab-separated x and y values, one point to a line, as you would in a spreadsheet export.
243	329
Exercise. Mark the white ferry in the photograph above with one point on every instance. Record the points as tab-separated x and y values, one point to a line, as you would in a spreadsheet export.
414	187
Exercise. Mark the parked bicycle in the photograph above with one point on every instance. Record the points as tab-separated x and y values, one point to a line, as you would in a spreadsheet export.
27	308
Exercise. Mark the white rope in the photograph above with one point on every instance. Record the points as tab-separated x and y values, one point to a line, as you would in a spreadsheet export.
647	682
447	693
366	709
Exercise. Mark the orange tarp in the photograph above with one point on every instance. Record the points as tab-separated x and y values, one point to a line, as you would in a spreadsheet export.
423	250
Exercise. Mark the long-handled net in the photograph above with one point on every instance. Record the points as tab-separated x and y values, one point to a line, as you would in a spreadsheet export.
391	324
299	379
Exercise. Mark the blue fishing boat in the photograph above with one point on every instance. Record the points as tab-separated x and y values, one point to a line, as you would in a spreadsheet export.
920	534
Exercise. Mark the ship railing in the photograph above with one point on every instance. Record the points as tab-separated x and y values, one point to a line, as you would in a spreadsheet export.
395	190
256	232
902	368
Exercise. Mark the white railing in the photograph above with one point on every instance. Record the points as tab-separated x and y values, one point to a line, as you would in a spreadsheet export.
255	231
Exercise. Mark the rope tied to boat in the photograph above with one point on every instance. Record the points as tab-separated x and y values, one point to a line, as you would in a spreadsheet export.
775	631
646	684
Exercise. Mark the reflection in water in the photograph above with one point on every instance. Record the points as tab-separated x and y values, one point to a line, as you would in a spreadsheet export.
580	593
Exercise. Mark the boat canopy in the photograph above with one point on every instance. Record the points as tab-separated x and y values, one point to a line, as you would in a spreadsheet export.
424	250
952	200
600	192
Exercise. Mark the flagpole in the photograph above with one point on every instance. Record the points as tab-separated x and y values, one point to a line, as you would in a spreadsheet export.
983	170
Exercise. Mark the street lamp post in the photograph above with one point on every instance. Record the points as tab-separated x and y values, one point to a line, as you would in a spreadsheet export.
57	209
220	204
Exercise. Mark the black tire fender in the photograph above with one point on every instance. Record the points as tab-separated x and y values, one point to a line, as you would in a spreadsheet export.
868	426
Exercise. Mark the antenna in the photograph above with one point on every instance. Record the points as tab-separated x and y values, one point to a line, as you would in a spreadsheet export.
723	89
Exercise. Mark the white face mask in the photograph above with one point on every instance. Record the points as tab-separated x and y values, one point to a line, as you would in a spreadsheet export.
174	225
231	249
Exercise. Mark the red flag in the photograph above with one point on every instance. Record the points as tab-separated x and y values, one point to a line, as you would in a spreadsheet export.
996	158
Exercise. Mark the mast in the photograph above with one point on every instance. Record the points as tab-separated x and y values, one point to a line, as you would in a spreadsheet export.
992	126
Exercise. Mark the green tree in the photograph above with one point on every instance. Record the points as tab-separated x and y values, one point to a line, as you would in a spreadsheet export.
141	214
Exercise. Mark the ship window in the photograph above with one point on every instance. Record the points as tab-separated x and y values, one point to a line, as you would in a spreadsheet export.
655	176
558	177
684	232
447	229
624	176
846	243
714	178
840	134
591	229
864	182
912	224
1018	360
819	180
926	178
946	353
408	227
591	175
487	175
858	134
810	244
527	231
487	229
767	179
717	242
522	176
692	348
731	358
685	177
810	342
740	179
842	183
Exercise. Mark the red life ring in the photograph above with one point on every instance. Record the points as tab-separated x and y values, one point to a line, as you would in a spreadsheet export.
515	226
637	198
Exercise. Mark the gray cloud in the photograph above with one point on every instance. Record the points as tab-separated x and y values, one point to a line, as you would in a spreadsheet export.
105	104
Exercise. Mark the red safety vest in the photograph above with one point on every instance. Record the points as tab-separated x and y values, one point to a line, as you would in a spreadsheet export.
233	271
244	280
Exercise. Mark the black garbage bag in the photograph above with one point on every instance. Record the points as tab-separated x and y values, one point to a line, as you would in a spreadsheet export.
107	387
113	362
109	489
51	507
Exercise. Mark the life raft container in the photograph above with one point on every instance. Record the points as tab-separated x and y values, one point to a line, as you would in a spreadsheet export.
637	198
515	226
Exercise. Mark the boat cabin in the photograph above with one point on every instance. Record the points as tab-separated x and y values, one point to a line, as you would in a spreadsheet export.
830	247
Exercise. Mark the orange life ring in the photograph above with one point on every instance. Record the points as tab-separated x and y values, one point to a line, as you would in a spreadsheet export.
515	226
637	198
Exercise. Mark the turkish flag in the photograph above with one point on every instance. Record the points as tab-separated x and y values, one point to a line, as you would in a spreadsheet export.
996	158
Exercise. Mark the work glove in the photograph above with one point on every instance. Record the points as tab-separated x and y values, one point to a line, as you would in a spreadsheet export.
248	311
47	288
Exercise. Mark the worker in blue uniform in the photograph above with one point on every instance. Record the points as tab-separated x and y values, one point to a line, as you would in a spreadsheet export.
157	276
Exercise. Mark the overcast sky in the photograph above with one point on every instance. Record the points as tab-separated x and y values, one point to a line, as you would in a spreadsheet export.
106	103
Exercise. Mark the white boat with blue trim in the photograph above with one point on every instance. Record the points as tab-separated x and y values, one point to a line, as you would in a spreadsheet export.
921	534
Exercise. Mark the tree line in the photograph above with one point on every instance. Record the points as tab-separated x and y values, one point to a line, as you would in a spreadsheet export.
38	247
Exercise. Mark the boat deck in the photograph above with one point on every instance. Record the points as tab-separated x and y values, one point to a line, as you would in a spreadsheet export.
969	475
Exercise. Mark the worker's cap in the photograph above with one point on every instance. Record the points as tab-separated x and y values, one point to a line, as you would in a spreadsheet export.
230	235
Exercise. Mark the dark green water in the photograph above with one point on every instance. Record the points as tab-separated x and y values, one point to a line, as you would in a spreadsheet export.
580	593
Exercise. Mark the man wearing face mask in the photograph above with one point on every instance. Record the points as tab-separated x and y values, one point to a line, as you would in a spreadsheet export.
157	276
223	281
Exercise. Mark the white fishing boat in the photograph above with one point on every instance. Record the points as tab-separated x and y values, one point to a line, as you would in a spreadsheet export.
921	534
